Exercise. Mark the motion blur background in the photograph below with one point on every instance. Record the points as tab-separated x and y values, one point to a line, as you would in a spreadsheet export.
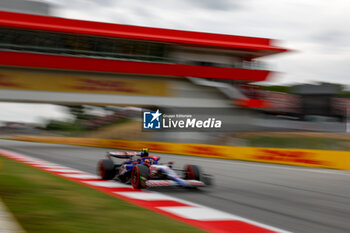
296	88
276	71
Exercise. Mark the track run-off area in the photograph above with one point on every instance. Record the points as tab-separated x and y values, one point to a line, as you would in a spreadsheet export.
293	199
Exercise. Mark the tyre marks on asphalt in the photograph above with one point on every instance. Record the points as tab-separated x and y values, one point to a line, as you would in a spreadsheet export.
206	218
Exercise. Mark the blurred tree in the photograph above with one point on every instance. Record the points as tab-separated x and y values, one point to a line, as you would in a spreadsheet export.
276	88
54	125
78	112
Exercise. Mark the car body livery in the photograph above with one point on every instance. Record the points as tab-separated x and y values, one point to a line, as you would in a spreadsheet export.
143	171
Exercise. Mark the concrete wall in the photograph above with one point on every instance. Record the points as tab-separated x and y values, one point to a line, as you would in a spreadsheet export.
179	92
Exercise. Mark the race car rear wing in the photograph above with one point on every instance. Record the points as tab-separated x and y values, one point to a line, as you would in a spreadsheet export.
122	154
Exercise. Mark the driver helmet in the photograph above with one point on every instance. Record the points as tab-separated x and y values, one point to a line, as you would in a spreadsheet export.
144	152
148	162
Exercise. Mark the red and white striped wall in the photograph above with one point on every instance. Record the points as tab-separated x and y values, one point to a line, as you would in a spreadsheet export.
200	216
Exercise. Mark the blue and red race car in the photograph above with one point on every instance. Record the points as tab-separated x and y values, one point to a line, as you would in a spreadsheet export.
146	171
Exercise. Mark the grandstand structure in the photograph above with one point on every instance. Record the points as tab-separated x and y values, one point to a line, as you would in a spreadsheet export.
73	58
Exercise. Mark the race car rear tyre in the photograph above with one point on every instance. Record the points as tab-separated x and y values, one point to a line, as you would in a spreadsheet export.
106	169
192	172
139	176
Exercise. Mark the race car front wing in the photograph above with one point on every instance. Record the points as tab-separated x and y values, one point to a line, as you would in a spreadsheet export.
163	183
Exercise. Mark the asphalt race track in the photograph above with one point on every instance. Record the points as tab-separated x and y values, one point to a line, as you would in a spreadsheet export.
295	199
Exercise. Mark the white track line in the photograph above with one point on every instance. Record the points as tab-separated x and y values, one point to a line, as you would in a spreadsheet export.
147	196
106	184
80	176
65	170
199	213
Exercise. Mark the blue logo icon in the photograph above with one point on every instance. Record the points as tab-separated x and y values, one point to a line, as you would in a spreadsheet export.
151	120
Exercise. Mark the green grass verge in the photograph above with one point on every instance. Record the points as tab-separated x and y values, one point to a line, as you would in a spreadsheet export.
44	203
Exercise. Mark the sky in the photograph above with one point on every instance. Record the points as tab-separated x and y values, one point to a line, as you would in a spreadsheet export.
316	31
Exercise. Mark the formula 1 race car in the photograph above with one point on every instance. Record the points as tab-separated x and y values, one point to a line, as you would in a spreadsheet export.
146	171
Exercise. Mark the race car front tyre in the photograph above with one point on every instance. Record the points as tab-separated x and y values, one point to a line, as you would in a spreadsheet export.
106	169
139	176
192	172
